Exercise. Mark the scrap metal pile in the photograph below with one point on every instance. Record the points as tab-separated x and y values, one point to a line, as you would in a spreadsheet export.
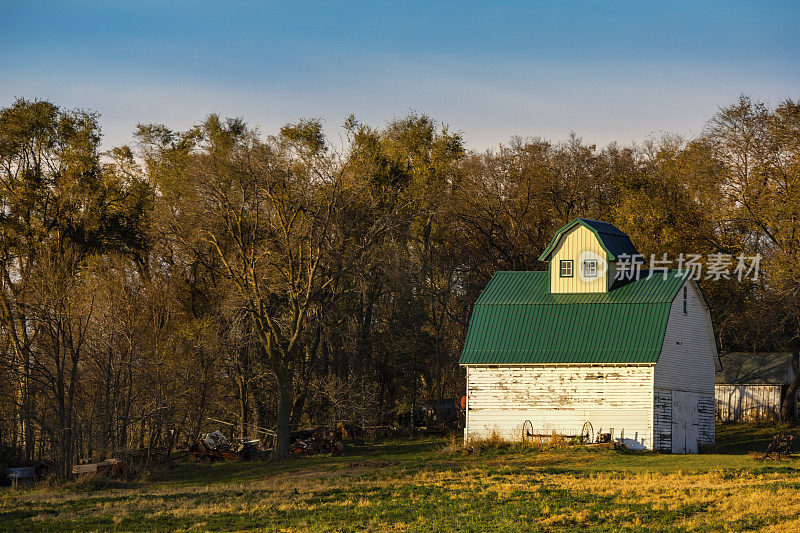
309	442
214	446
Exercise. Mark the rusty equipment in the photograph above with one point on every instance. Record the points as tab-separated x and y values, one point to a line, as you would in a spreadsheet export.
527	431
214	446
307	442
779	448
586	435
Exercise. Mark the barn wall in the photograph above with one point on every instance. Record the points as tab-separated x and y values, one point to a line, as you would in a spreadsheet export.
738	403
662	420
560	399
707	434
686	365
573	243
687	357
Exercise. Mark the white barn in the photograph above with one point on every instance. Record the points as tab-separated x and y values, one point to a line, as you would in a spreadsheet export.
548	351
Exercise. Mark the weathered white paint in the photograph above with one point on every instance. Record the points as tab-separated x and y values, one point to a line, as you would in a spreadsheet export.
662	420
707	430
572	244
668	406
688	355
684	377
560	398
685	422
737	403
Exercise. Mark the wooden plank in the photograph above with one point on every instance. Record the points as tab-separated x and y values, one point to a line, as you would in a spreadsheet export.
561	399
739	403
687	357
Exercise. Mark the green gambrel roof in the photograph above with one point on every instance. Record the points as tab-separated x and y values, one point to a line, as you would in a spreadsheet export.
612	239
517	320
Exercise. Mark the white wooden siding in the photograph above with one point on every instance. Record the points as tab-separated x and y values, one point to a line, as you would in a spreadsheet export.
560	398
662	420
687	360
707	433
687	364
737	403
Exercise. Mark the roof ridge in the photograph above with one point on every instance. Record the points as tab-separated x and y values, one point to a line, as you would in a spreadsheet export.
616	241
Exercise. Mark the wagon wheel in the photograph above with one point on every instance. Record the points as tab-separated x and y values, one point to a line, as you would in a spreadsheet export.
527	431
587	432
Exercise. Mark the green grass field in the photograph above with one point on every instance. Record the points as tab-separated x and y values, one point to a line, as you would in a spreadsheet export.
416	486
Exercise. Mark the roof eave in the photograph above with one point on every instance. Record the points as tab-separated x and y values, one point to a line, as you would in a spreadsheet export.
550	247
603	363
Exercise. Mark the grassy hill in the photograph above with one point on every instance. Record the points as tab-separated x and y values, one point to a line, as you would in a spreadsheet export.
425	485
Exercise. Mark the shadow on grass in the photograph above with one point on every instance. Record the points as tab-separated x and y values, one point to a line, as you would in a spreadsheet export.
409	455
741	438
405	451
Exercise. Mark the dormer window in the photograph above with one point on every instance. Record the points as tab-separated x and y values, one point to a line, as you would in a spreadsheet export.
582	256
566	268
590	268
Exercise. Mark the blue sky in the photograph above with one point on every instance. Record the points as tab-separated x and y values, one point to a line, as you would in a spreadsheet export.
606	70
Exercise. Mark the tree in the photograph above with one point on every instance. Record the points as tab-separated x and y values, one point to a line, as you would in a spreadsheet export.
272	215
760	149
61	208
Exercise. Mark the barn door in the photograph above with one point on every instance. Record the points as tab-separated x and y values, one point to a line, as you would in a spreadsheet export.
678	422
685	422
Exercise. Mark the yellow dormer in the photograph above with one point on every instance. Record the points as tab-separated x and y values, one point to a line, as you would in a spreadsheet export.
583	256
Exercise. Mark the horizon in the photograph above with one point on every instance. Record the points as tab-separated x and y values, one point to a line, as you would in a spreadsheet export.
610	72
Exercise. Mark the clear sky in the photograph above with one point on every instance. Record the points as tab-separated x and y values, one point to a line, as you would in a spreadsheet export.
607	70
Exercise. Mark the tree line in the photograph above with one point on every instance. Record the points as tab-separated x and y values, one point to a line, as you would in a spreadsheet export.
286	281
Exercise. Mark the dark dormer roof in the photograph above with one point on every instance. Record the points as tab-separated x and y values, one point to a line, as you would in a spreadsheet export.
614	241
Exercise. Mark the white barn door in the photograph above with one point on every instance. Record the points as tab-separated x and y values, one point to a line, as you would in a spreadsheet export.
685	422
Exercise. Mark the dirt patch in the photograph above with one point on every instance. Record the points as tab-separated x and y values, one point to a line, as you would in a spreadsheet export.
373	463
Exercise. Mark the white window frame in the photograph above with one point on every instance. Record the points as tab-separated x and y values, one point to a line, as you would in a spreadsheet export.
590	268
561	270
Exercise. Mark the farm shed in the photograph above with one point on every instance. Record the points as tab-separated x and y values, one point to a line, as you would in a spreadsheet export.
752	386
573	344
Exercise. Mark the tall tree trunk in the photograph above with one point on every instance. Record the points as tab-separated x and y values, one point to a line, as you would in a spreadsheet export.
22	415
24	409
244	409
125	422
789	405
285	405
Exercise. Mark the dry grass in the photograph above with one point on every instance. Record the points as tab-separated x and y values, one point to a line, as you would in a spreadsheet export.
415	486
496	443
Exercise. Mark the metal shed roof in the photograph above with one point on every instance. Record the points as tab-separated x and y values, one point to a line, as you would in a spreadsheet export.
755	368
516	320
612	239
